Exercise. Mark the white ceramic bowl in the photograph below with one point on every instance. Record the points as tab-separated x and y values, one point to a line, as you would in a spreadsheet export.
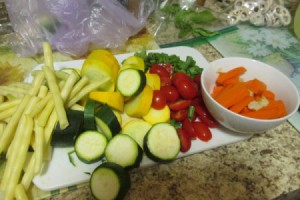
276	81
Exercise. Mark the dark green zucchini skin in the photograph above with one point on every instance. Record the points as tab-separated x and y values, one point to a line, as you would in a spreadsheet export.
89	115
138	159
123	175
105	113
67	137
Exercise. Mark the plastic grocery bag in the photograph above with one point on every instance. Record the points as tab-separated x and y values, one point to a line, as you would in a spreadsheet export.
72	25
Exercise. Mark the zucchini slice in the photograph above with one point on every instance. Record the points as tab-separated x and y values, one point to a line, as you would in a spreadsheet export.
109	181
67	136
131	82
90	146
137	129
161	143
89	122
123	150
106	121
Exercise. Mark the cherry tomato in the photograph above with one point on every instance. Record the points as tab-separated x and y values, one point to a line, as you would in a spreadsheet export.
180	104
187	126
179	115
197	79
202	131
186	88
185	142
170	92
165	80
158	100
205	117
179	76
159	70
168	67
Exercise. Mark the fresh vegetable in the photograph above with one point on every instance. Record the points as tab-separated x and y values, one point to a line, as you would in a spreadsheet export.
139	105
89	122
161	143
190	22
137	130
186	88
159	100
124	150
153	80
106	57
131	82
99	71
235	72
66	137
109	181
201	131
250	98
156	116
133	62
181	104
159	70
185	141
113	99
90	145
170	93
172	63
106	121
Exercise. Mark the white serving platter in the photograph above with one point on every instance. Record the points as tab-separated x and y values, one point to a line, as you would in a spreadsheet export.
60	172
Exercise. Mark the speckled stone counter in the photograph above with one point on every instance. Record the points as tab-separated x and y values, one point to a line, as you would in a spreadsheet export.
267	166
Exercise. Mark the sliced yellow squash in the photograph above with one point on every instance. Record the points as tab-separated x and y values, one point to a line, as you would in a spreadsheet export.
137	129
135	60
153	81
113	99
139	105
107	57
96	71
156	116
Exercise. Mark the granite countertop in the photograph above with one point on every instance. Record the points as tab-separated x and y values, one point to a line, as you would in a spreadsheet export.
266	166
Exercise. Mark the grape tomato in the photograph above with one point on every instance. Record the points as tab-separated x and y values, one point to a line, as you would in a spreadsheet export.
186	88
170	92
158	100
159	70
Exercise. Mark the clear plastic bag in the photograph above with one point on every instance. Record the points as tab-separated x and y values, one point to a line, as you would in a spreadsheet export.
71	26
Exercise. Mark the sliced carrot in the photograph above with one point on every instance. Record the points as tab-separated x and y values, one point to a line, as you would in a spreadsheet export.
232	95
236	95
238	107
268	94
231	81
256	86
235	72
217	90
274	110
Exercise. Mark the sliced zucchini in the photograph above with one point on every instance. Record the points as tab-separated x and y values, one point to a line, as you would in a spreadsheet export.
137	129
131	82
90	146
109	181
123	150
161	143
106	121
89	122
67	136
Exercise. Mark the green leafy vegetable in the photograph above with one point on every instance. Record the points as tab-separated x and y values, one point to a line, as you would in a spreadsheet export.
190	22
